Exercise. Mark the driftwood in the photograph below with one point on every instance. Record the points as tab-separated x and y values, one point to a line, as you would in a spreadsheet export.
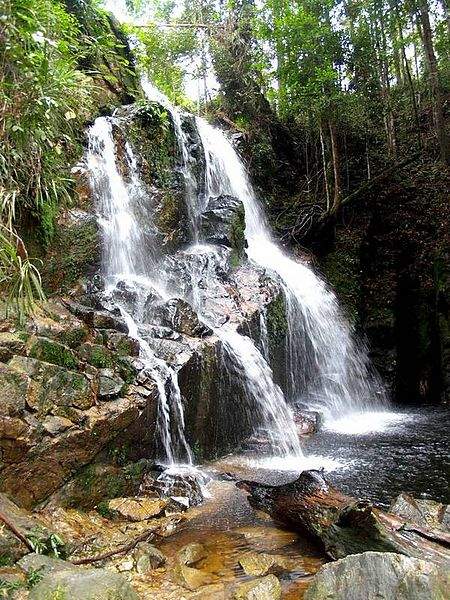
19	535
341	524
144	537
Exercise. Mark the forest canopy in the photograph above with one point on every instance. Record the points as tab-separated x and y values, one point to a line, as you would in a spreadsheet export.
328	96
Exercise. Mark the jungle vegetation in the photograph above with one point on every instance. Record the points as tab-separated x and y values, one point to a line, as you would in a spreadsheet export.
329	96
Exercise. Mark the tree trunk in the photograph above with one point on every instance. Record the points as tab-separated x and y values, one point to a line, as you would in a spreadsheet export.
336	159
438	110
325	168
341	524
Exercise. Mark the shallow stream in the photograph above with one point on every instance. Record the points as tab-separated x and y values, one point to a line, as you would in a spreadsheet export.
376	457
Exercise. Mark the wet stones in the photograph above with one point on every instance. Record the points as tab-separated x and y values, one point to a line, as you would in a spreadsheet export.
191	578
264	588
221	222
307	422
191	554
380	575
185	489
148	557
256	564
121	343
138	508
178	315
96	355
424	513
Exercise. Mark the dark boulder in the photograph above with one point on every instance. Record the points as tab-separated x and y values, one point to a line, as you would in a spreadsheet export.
222	222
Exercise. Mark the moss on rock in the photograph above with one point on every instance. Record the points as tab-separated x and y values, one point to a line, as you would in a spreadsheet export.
52	352
96	355
74	254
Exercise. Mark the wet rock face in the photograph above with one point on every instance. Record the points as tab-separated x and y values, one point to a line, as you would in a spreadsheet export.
379	575
158	166
424	513
64	398
178	315
223	222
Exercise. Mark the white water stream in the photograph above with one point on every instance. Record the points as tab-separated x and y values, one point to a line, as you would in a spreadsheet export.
327	370
128	261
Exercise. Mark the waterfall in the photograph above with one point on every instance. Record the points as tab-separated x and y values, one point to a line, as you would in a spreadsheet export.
327	370
273	415
129	261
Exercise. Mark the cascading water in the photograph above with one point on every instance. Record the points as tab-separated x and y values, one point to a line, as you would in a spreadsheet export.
129	258
327	370
273	415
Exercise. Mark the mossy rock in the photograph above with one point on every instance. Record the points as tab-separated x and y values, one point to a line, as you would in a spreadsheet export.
53	388
97	483
10	344
96	355
73	256
52	352
277	326
342	268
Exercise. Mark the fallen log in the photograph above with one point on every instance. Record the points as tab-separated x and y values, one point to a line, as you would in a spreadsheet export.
341	524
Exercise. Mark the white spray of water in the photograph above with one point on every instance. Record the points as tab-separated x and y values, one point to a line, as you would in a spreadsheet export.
273	415
128	259
328	371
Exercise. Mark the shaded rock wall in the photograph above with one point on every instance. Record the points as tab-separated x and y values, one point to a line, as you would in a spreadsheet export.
388	266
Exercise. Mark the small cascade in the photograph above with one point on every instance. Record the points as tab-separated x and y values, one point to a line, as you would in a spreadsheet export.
272	416
327	370
130	263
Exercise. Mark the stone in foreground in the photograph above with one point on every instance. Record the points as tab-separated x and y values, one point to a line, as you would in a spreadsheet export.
265	588
424	513
191	554
136	509
191	578
379	576
83	584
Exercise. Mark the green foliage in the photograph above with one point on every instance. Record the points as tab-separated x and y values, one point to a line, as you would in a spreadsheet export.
42	95
103	509
52	546
161	54
45	100
32	578
19	276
